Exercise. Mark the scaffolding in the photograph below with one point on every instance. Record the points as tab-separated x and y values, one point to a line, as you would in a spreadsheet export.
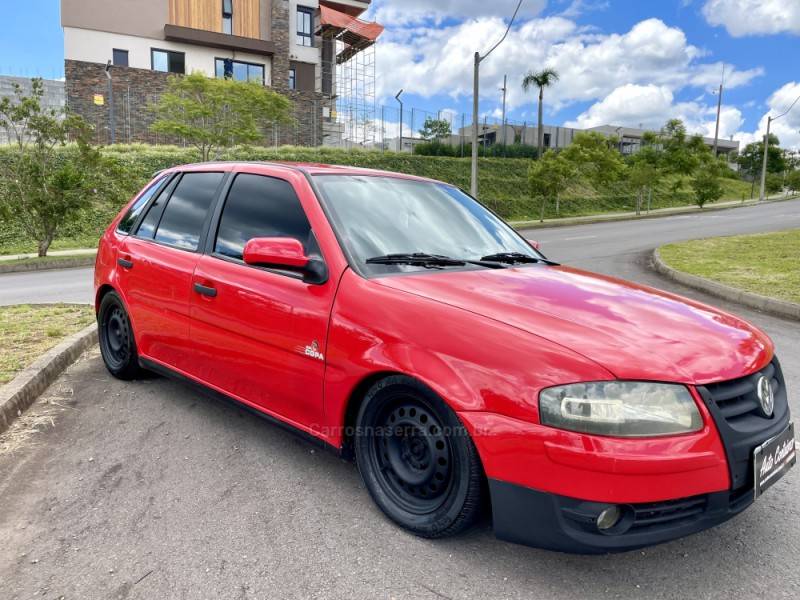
349	78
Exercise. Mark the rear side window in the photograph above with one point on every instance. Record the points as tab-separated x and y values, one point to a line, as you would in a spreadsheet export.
187	209
127	222
259	207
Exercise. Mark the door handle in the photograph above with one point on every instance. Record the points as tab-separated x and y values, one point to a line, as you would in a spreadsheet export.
125	263
205	290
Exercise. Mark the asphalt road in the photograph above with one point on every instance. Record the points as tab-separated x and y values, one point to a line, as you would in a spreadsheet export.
151	490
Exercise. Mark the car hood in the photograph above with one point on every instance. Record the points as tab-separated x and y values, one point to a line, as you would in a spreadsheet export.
633	331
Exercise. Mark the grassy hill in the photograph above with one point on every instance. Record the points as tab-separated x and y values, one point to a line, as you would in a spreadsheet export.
503	185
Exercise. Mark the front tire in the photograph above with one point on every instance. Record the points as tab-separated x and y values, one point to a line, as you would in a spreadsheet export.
417	460
117	344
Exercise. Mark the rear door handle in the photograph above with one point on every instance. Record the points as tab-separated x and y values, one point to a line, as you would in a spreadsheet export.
125	263
204	290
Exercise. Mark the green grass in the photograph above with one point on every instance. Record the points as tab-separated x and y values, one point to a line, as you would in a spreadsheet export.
28	331
767	264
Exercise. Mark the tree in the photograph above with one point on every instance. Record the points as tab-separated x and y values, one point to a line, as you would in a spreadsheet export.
542	79
218	113
706	184
548	177
680	153
644	173
793	181
45	183
434	129
595	156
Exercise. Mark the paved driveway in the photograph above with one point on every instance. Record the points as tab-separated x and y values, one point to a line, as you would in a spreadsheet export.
151	490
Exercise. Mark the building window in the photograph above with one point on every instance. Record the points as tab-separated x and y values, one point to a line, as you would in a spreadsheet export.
305	22
168	62
120	58
226	68
292	78
227	17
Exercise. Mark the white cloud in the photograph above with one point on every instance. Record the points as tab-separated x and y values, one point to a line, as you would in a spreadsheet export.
428	60
650	106
754	17
403	12
787	128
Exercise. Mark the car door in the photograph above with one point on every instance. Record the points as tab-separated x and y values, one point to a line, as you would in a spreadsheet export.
259	334
157	264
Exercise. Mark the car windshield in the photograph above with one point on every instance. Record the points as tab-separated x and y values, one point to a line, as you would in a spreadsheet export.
391	225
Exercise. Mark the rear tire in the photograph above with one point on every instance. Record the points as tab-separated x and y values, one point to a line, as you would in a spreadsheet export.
117	344
417	460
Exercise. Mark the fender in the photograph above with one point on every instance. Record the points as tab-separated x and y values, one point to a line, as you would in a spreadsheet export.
479	365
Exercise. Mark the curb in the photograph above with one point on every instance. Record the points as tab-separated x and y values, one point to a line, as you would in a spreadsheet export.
571	221
17	395
770	306
48	265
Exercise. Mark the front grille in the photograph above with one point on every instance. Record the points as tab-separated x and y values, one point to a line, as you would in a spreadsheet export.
736	410
738	401
671	512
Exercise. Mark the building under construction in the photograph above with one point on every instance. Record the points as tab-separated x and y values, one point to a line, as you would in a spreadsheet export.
348	64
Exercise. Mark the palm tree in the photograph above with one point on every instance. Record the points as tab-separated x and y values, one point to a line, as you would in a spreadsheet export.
542	79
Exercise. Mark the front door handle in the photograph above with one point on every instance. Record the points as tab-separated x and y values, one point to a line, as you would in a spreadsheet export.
125	263
205	290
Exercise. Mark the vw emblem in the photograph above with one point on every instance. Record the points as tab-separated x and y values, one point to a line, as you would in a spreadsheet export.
765	398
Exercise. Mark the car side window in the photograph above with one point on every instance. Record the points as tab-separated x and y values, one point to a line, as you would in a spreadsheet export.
185	213
147	228
127	222
257	207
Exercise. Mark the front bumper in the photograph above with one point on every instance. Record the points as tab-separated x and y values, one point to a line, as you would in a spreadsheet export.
534	518
541	479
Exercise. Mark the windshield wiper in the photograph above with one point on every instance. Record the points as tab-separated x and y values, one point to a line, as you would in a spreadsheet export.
515	258
429	261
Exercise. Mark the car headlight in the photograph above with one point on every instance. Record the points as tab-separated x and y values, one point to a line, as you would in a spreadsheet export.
620	408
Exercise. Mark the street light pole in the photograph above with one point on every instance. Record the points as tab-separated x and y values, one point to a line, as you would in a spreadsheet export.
505	91
400	138
719	110
475	104
770	119
112	124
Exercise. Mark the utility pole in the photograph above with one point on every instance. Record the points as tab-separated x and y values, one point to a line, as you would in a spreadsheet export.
770	119
475	104
504	89
112	124
719	110
400	143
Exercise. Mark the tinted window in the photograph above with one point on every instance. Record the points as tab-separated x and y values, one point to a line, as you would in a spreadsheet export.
147	229
186	212
126	224
260	207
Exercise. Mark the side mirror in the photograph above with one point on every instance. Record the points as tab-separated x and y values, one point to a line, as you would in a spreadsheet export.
534	244
286	254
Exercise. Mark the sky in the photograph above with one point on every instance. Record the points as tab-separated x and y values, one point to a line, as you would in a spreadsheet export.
621	62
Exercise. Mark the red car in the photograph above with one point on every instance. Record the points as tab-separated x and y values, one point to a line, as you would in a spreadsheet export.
396	320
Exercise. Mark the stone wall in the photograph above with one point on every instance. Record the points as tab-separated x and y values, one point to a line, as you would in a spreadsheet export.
134	91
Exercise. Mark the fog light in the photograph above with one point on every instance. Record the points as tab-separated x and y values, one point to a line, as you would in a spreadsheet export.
608	518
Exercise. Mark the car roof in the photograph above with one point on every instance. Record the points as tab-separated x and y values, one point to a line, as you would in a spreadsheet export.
308	168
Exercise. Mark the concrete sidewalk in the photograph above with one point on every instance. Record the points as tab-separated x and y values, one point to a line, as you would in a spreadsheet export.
54	253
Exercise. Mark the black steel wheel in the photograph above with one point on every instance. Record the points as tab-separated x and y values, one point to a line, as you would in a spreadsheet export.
417	460
117	344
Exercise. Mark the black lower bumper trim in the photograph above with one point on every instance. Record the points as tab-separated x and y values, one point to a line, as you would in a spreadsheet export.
526	516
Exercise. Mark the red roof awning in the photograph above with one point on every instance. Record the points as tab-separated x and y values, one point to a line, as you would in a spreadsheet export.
355	33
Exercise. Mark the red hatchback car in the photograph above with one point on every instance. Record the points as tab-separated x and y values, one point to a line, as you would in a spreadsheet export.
397	321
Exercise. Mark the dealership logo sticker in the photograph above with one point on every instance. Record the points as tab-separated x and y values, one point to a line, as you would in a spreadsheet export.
312	351
765	396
